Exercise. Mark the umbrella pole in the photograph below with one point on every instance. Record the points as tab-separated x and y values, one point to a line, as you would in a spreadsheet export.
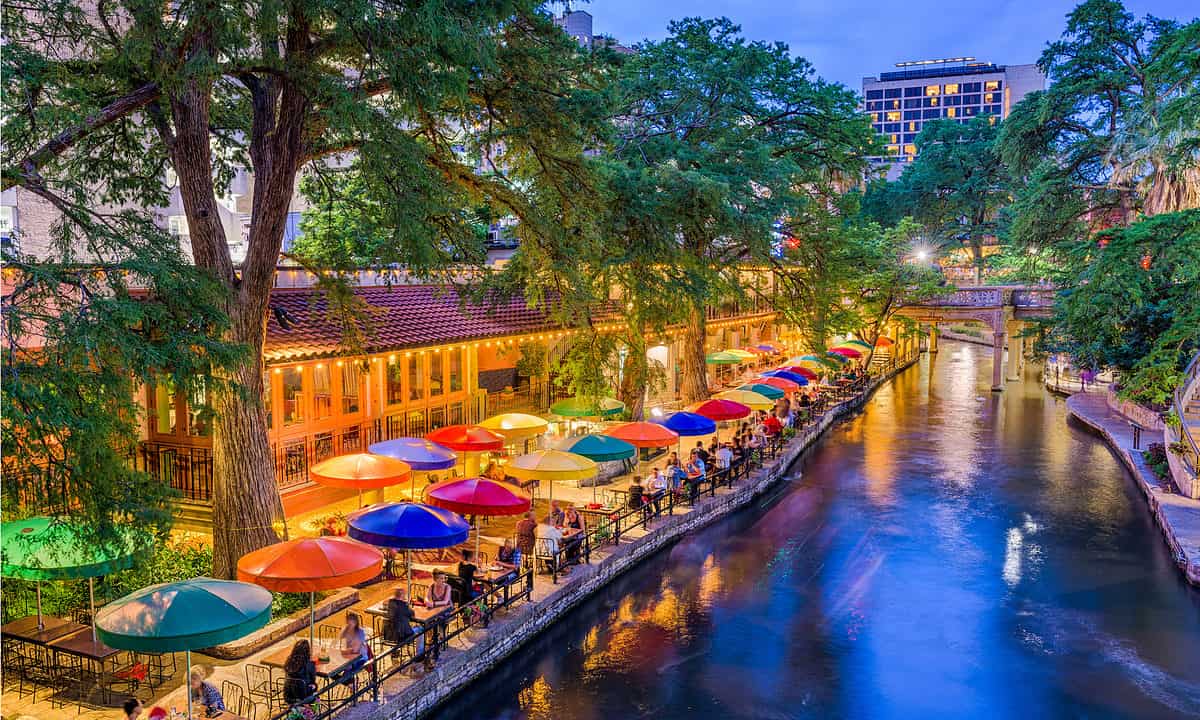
312	618
187	684
92	604
38	586
360	498
408	571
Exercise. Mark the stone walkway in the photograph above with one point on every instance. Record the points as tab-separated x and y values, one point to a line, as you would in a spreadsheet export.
1178	517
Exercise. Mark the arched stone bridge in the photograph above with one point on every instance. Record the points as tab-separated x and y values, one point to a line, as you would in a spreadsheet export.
1003	308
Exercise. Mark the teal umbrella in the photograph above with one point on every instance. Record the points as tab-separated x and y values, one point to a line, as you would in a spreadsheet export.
598	448
578	407
187	615
766	391
43	548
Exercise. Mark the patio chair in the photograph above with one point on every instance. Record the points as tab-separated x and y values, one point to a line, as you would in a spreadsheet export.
544	556
261	687
328	634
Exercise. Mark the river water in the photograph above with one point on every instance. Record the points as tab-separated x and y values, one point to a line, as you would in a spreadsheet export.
950	552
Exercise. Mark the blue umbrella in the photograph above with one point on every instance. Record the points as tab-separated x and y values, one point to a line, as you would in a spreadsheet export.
688	424
419	453
798	379
408	526
598	448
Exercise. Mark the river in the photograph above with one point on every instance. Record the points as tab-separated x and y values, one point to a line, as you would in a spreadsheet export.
950	552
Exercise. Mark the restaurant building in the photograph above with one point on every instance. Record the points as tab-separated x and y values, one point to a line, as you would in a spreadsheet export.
428	356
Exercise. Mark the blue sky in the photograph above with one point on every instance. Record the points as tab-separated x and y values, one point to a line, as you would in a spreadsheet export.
847	39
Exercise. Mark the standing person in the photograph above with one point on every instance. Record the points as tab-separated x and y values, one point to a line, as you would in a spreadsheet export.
132	707
354	649
300	685
204	693
526	535
466	575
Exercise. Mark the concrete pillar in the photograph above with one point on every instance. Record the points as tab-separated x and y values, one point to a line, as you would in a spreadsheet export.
997	361
1015	346
933	338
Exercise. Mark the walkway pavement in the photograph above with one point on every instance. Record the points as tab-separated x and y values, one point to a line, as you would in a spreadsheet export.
1178	517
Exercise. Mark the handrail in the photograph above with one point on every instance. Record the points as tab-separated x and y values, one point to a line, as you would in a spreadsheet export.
1185	433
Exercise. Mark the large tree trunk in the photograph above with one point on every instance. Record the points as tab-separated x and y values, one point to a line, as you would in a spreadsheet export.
635	372
693	384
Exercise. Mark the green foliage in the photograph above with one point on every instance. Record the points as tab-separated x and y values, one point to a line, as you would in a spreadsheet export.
1135	306
532	362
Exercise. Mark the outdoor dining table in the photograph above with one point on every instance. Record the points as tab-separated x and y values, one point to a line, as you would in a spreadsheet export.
26	629
325	668
84	645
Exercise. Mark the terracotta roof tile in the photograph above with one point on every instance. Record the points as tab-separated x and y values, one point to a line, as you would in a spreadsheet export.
401	316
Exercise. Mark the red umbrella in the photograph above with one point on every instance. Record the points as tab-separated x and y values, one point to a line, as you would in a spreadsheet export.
478	496
309	565
719	410
846	352
467	438
360	471
644	434
802	371
778	382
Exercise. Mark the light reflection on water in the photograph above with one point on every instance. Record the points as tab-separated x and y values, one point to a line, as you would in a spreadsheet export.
949	553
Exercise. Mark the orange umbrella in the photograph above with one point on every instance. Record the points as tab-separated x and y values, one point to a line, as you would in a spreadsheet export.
467	438
781	383
309	565
360	471
884	341
644	434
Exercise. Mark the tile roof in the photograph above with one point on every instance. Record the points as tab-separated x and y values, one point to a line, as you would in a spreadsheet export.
395	317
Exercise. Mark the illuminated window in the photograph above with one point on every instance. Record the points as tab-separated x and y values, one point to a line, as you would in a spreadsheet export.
910	150
435	374
951	89
912	126
933	102
395	386
987	98
164	406
950	112
198	412
416	378
292	380
878	117
351	386
456	370
931	90
896	104
893	149
992	120
894	116
267	398
991	85
322	392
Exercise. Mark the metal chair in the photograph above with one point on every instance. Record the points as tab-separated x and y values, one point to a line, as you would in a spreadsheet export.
259	684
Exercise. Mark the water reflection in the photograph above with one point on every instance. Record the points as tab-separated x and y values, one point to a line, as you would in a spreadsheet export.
950	553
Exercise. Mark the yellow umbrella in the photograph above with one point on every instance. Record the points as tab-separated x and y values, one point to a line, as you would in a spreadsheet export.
515	427
749	399
551	465
807	362
745	355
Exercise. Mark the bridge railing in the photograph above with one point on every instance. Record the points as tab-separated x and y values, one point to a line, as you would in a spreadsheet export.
1181	442
993	296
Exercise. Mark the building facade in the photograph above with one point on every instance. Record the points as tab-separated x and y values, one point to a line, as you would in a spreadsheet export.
900	102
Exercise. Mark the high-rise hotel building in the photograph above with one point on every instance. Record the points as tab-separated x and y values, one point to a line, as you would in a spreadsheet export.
900	102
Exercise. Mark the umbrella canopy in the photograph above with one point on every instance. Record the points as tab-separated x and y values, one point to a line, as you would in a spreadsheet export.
514	427
856	344
688	424
466	438
719	410
644	434
420	454
771	393
786	375
723	358
884	341
310	564
408	526
757	350
846	352
839	358
799	370
814	362
578	407
187	615
749	399
598	448
743	354
781	383
551	465
43	548
360	471
767	347
478	496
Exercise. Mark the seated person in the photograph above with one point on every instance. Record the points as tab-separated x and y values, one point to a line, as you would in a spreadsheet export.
551	538
354	648
508	556
300	686
572	520
439	594
772	425
401	621
204	693
556	514
466	576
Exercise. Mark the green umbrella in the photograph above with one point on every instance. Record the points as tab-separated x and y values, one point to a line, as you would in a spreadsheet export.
823	360
857	344
43	548
723	358
767	391
578	407
598	448
187	615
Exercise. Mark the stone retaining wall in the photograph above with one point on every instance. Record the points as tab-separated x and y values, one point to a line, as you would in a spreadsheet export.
525	622
283	627
1144	416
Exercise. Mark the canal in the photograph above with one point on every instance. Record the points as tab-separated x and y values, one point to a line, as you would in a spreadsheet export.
948	553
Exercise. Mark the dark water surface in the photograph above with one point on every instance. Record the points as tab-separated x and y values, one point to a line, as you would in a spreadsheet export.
948	553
